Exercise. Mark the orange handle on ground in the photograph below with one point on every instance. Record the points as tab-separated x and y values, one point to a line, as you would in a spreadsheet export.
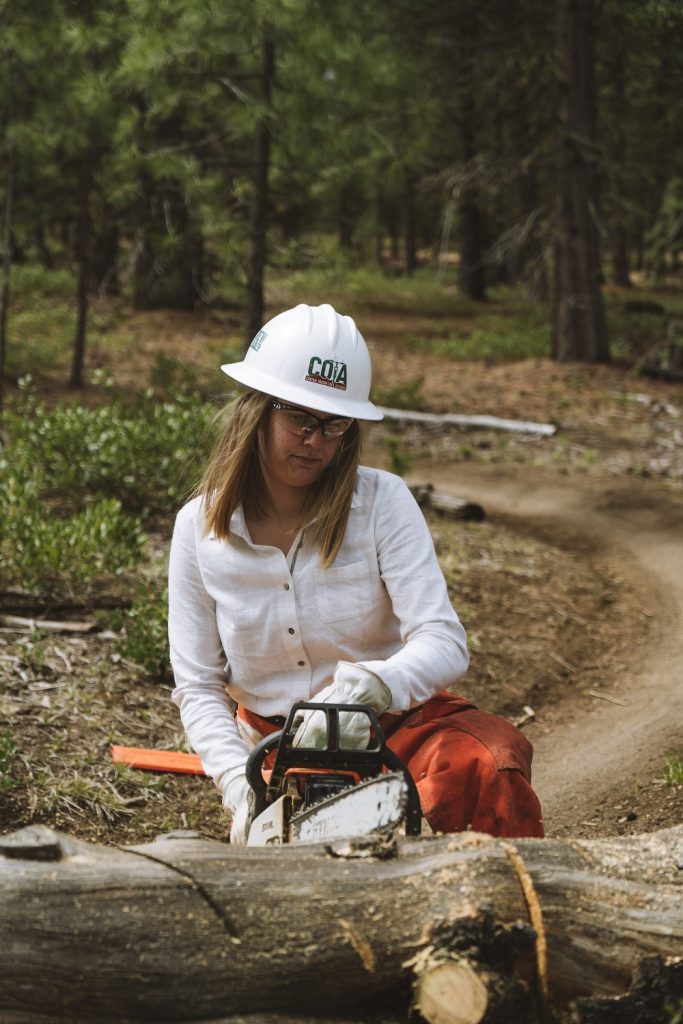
158	760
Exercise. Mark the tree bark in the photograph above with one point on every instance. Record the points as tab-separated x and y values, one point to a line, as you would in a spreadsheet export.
579	330
259	209
185	929
143	256
82	255
6	252
105	274
409	243
616	103
471	270
472	279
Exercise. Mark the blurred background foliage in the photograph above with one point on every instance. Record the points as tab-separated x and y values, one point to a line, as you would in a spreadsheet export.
172	152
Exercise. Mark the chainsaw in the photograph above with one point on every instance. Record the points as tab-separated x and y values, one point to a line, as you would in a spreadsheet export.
313	794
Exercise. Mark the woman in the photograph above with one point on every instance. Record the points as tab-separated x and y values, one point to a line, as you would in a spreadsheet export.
296	574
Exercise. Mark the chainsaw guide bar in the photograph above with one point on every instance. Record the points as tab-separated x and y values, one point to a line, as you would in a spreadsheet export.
372	806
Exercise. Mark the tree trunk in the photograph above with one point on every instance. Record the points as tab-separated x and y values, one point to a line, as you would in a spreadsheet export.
6	260
347	215
616	103
531	267
409	244
579	330
143	259
620	269
167	253
40	242
472	279
82	255
394	237
379	225
519	96
105	258
259	208
185	929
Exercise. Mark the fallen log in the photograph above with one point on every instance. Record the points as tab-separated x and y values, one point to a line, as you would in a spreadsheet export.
475	421
468	927
446	505
20	622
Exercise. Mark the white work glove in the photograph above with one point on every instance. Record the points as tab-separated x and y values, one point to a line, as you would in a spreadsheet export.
236	801
351	684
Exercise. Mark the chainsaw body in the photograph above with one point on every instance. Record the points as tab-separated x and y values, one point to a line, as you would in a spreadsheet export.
312	794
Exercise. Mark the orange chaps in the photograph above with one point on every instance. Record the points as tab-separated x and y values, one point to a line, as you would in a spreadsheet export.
472	769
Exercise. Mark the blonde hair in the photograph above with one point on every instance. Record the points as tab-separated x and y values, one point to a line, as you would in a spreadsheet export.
233	477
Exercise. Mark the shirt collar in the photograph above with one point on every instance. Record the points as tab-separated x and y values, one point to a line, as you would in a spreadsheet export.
239	526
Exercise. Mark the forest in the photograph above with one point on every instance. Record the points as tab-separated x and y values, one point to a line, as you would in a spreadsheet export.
179	151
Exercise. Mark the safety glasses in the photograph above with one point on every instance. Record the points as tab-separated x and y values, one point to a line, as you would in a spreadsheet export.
303	423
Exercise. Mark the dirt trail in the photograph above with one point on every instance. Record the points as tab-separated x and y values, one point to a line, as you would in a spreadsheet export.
590	754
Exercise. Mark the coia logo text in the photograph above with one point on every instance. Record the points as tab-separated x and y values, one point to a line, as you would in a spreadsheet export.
330	372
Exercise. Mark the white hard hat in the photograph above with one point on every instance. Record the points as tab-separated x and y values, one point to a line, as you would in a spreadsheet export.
311	356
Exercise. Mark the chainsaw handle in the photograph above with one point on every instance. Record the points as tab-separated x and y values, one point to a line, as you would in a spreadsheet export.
253	769
364	762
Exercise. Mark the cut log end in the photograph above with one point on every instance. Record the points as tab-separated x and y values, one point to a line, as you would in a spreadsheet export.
451	993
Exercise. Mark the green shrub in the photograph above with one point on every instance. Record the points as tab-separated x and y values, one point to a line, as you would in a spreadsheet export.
173	376
40	549
40	337
673	771
632	334
401	396
400	460
76	484
144	636
497	340
145	456
674	1009
327	275
31	280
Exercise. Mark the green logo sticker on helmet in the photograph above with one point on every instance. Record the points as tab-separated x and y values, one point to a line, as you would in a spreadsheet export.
330	372
258	340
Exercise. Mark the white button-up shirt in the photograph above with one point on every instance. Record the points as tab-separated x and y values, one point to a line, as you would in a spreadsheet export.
268	629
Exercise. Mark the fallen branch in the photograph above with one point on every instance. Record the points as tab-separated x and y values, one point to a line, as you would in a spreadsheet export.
479	422
48	625
606	696
24	601
191	930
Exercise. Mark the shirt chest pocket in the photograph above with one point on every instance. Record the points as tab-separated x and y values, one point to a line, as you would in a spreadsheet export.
252	644
347	592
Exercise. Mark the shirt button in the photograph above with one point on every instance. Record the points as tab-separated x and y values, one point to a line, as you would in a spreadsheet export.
290	630
286	586
301	664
